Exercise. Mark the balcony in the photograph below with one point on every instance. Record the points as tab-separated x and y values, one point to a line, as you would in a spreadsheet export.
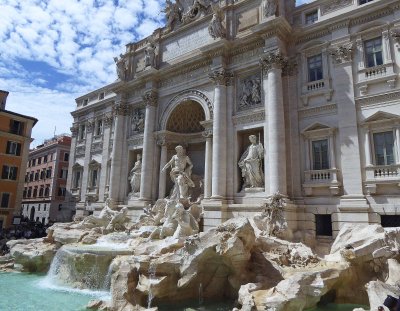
381	174
372	75
92	193
76	193
316	88
321	179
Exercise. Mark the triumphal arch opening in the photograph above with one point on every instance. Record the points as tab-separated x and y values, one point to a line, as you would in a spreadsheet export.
236	100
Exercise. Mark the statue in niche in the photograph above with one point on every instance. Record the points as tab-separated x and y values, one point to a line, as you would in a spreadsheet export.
215	28
251	93
172	14
150	54
181	173
137	121
270	7
135	175
251	164
122	66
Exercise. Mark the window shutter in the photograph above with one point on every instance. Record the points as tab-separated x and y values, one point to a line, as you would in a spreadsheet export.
15	172
4	174
21	129
18	149
8	147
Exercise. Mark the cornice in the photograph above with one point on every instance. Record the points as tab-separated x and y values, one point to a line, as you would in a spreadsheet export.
377	98
316	111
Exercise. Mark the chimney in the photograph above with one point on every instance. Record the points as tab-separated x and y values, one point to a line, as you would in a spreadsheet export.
3	99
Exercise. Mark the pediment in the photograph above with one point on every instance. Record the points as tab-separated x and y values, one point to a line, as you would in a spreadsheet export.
316	127
381	116
76	166
94	163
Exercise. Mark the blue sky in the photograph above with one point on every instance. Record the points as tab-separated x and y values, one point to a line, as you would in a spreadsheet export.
53	51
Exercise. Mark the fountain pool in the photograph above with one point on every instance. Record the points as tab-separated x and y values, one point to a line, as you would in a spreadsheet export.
26	292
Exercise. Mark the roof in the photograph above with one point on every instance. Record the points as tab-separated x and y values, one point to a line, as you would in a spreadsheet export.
21	115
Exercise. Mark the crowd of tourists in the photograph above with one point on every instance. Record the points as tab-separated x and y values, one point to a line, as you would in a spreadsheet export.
27	229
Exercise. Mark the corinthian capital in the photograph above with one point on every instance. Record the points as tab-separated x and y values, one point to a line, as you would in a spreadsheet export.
343	53
221	77
74	130
273	60
121	109
150	98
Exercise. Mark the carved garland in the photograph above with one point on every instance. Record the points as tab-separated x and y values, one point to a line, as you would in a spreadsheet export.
343	53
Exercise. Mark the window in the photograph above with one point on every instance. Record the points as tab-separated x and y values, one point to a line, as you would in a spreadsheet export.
361	2
99	127
77	179
64	173
66	157
29	192
45	207
61	192
85	102
38	208
33	162
13	148
37	175
101	96
5	199
383	145
373	52
315	68
390	221
16	127
82	132
311	17
47	191
41	191
48	173
43	174
94	178
35	192
45	159
31	176
320	154
30	163
323	225
24	193
9	172
27	177
39	161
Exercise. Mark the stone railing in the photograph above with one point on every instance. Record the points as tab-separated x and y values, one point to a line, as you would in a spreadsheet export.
315	85
320	179
382	172
376	72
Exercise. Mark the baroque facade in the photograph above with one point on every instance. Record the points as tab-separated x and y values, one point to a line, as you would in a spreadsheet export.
265	97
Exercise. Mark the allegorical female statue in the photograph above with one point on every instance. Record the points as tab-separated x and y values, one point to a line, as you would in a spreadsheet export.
215	28
251	164
181	174
135	175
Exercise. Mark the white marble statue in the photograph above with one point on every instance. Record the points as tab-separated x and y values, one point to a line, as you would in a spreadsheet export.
270	7
150	54
135	175
251	164
172	14
122	67
215	28
181	172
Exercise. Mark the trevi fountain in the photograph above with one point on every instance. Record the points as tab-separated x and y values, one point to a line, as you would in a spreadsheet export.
218	212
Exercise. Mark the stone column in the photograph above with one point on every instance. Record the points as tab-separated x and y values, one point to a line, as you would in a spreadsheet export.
231	163
367	148
163	175
208	164
221	79
398	143
120	111
347	116
88	145
307	154
150	98
107	124
272	63
74	131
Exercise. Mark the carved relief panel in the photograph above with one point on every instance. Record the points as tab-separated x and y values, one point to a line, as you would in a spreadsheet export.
137	121
249	92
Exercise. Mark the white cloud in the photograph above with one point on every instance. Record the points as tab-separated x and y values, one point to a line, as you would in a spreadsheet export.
75	38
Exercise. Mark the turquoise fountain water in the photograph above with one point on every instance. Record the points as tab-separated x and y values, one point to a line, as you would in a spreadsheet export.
26	292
